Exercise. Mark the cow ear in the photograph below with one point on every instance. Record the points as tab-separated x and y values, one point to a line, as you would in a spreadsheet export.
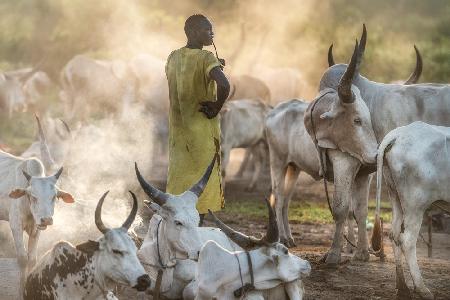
88	247
326	143
66	197
153	206
17	193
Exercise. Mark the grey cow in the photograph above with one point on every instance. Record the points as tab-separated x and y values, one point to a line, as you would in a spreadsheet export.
390	106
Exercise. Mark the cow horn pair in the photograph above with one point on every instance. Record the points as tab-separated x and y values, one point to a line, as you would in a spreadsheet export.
413	78
249	242
98	214
161	198
46	157
57	174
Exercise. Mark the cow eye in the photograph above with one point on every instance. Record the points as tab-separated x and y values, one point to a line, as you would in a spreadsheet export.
286	251
357	121
118	252
178	223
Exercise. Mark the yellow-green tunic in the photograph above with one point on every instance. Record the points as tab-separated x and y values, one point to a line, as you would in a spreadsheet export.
193	138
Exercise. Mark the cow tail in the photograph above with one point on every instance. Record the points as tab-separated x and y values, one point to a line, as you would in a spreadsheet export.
377	235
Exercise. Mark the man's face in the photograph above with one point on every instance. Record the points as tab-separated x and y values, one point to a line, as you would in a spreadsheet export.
205	34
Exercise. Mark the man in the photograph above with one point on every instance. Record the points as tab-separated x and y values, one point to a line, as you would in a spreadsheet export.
197	91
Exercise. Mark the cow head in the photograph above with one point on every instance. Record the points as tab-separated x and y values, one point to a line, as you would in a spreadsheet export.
179	213
42	193
116	252
283	265
340	119
12	91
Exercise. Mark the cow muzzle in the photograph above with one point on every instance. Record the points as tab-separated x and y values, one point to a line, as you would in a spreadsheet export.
44	223
143	283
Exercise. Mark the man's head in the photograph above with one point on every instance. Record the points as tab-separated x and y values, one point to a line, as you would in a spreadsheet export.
198	29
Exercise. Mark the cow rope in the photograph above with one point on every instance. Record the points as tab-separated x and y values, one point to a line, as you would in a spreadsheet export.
162	265
248	287
323	160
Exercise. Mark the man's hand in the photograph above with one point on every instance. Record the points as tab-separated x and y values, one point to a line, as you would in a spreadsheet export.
209	108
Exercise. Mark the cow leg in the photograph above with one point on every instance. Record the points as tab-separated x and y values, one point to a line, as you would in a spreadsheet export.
245	163
348	249
258	156
278	173
397	219
360	198
413	222
294	290
345	168
32	248
292	173
22	258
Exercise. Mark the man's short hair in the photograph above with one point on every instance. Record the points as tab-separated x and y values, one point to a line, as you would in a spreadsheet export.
194	22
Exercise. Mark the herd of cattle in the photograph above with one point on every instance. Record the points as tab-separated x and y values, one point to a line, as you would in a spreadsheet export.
352	128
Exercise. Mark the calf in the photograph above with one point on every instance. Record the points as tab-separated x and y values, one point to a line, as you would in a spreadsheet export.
417	172
90	269
262	268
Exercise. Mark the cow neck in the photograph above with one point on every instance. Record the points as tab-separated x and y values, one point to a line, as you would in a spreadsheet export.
161	243
102	283
247	287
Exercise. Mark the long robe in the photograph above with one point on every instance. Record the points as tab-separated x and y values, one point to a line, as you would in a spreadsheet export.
193	138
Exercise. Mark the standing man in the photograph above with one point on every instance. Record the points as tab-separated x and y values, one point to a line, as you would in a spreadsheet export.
197	91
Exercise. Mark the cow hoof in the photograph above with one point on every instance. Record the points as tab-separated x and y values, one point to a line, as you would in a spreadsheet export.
361	255
249	189
284	241
426	294
333	259
403	293
291	243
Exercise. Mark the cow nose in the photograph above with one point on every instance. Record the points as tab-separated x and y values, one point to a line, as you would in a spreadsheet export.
47	221
143	282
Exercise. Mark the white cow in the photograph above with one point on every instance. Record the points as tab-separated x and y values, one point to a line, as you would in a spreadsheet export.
90	269
99	86
174	239
341	121
27	201
242	126
264	265
417	172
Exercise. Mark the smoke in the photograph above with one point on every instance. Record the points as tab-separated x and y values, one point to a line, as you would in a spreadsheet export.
101	158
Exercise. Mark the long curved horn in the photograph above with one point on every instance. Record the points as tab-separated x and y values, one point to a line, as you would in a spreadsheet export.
132	216
27	176
361	49
98	215
244	241
156	195
414	77
198	188
46	157
345	84
58	173
272	235
66	127
330	56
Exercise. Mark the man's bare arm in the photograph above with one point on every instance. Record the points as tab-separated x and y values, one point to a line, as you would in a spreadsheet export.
212	108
